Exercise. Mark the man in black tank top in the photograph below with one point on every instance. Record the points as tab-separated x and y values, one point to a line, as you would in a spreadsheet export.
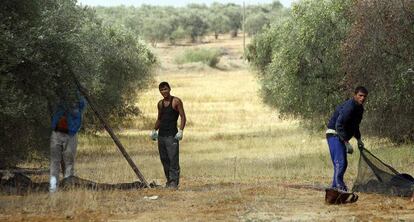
168	134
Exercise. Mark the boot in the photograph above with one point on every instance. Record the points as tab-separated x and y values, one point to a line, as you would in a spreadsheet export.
53	184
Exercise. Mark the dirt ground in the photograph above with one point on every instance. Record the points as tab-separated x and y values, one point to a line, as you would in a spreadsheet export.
206	200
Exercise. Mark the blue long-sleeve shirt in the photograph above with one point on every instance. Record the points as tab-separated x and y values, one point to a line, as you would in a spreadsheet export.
346	119
73	114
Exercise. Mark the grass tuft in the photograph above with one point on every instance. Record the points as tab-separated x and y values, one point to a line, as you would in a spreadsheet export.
210	57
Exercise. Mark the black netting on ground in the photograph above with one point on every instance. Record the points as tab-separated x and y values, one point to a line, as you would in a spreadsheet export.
19	183
374	176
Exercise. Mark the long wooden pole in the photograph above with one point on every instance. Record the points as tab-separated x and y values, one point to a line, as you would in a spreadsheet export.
111	133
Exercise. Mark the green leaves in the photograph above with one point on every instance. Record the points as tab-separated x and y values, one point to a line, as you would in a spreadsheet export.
42	44
378	53
299	60
159	23
314	60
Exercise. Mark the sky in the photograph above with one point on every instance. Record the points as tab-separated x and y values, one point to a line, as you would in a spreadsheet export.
175	3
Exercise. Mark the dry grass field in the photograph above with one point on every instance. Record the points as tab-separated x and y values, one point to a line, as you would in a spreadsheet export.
238	160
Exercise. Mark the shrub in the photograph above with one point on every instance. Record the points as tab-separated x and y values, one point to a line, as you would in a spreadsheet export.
210	57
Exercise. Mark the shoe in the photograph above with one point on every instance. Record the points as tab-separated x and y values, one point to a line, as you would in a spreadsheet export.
167	184
53	185
335	196
172	185
52	190
343	189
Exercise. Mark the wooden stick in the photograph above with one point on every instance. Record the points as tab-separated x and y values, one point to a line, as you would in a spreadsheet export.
111	133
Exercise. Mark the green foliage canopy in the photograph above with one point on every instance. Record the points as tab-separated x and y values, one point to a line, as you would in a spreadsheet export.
42	44
298	59
379	53
255	23
195	25
313	61
159	23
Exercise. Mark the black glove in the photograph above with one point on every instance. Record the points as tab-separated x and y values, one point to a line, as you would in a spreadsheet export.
349	148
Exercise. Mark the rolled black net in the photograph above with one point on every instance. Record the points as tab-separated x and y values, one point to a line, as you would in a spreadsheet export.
375	176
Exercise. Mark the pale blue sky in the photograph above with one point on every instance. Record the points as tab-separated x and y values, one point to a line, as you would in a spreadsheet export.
285	3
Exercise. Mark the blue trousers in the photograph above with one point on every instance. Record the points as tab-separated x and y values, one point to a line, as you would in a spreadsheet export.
340	163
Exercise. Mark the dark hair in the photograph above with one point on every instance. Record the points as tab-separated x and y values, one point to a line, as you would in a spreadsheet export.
361	89
162	84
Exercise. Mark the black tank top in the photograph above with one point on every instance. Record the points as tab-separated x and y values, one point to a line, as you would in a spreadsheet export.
169	117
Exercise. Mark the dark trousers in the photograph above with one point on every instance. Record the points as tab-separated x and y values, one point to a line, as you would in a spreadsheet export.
169	155
338	155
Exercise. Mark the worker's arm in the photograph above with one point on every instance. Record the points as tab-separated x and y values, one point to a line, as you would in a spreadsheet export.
157	123
345	114
180	108
154	134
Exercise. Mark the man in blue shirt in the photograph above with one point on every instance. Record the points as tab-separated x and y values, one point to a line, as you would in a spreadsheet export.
66	122
343	125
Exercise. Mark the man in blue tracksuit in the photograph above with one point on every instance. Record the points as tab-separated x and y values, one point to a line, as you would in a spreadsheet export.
343	125
66	122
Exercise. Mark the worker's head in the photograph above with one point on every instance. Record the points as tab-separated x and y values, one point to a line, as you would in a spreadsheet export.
360	95
165	89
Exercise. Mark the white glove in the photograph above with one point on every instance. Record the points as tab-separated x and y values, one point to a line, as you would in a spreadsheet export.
360	144
179	135
154	135
349	148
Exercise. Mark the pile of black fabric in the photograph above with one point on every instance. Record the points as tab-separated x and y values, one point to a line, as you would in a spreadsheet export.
18	183
374	176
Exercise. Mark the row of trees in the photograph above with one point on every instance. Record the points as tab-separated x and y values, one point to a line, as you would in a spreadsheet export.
313	61
45	42
157	23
